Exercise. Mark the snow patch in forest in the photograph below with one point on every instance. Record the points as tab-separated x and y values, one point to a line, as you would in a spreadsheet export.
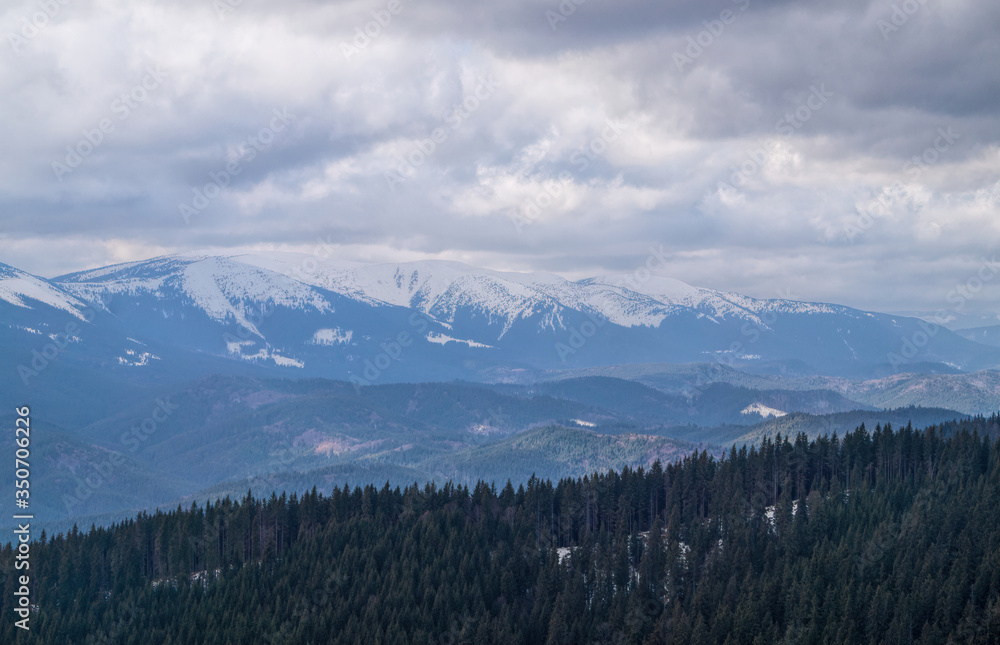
335	336
763	410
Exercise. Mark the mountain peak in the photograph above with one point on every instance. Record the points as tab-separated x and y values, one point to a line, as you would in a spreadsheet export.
24	290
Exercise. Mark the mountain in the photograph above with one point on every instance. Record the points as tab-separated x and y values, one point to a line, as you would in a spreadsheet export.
223	435
26	291
843	422
989	335
73	360
166	369
714	404
972	393
558	452
427	320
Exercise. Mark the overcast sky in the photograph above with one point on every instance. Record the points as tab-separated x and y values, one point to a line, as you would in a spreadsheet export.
834	151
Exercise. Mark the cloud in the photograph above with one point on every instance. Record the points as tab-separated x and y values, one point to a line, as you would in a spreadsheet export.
725	156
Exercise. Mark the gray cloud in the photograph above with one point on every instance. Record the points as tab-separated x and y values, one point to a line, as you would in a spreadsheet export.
523	176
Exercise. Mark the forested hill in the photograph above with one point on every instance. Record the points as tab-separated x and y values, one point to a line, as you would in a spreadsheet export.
885	536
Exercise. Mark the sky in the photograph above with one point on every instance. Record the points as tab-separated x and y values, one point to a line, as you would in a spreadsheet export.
842	152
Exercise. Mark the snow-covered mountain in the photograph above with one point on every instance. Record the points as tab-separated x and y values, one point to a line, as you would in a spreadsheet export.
430	320
442	288
99	354
223	288
27	291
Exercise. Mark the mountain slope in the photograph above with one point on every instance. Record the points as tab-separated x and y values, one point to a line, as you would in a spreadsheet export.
989	335
972	393
336	319
557	452
843	422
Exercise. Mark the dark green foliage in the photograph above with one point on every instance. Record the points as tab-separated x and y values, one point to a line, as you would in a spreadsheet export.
883	537
841	422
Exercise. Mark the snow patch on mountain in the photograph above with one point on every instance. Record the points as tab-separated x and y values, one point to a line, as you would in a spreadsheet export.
236	346
763	410
72	338
335	336
284	361
441	339
266	354
136	359
19	288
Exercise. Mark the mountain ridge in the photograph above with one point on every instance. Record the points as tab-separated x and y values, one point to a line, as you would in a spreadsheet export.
431	319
